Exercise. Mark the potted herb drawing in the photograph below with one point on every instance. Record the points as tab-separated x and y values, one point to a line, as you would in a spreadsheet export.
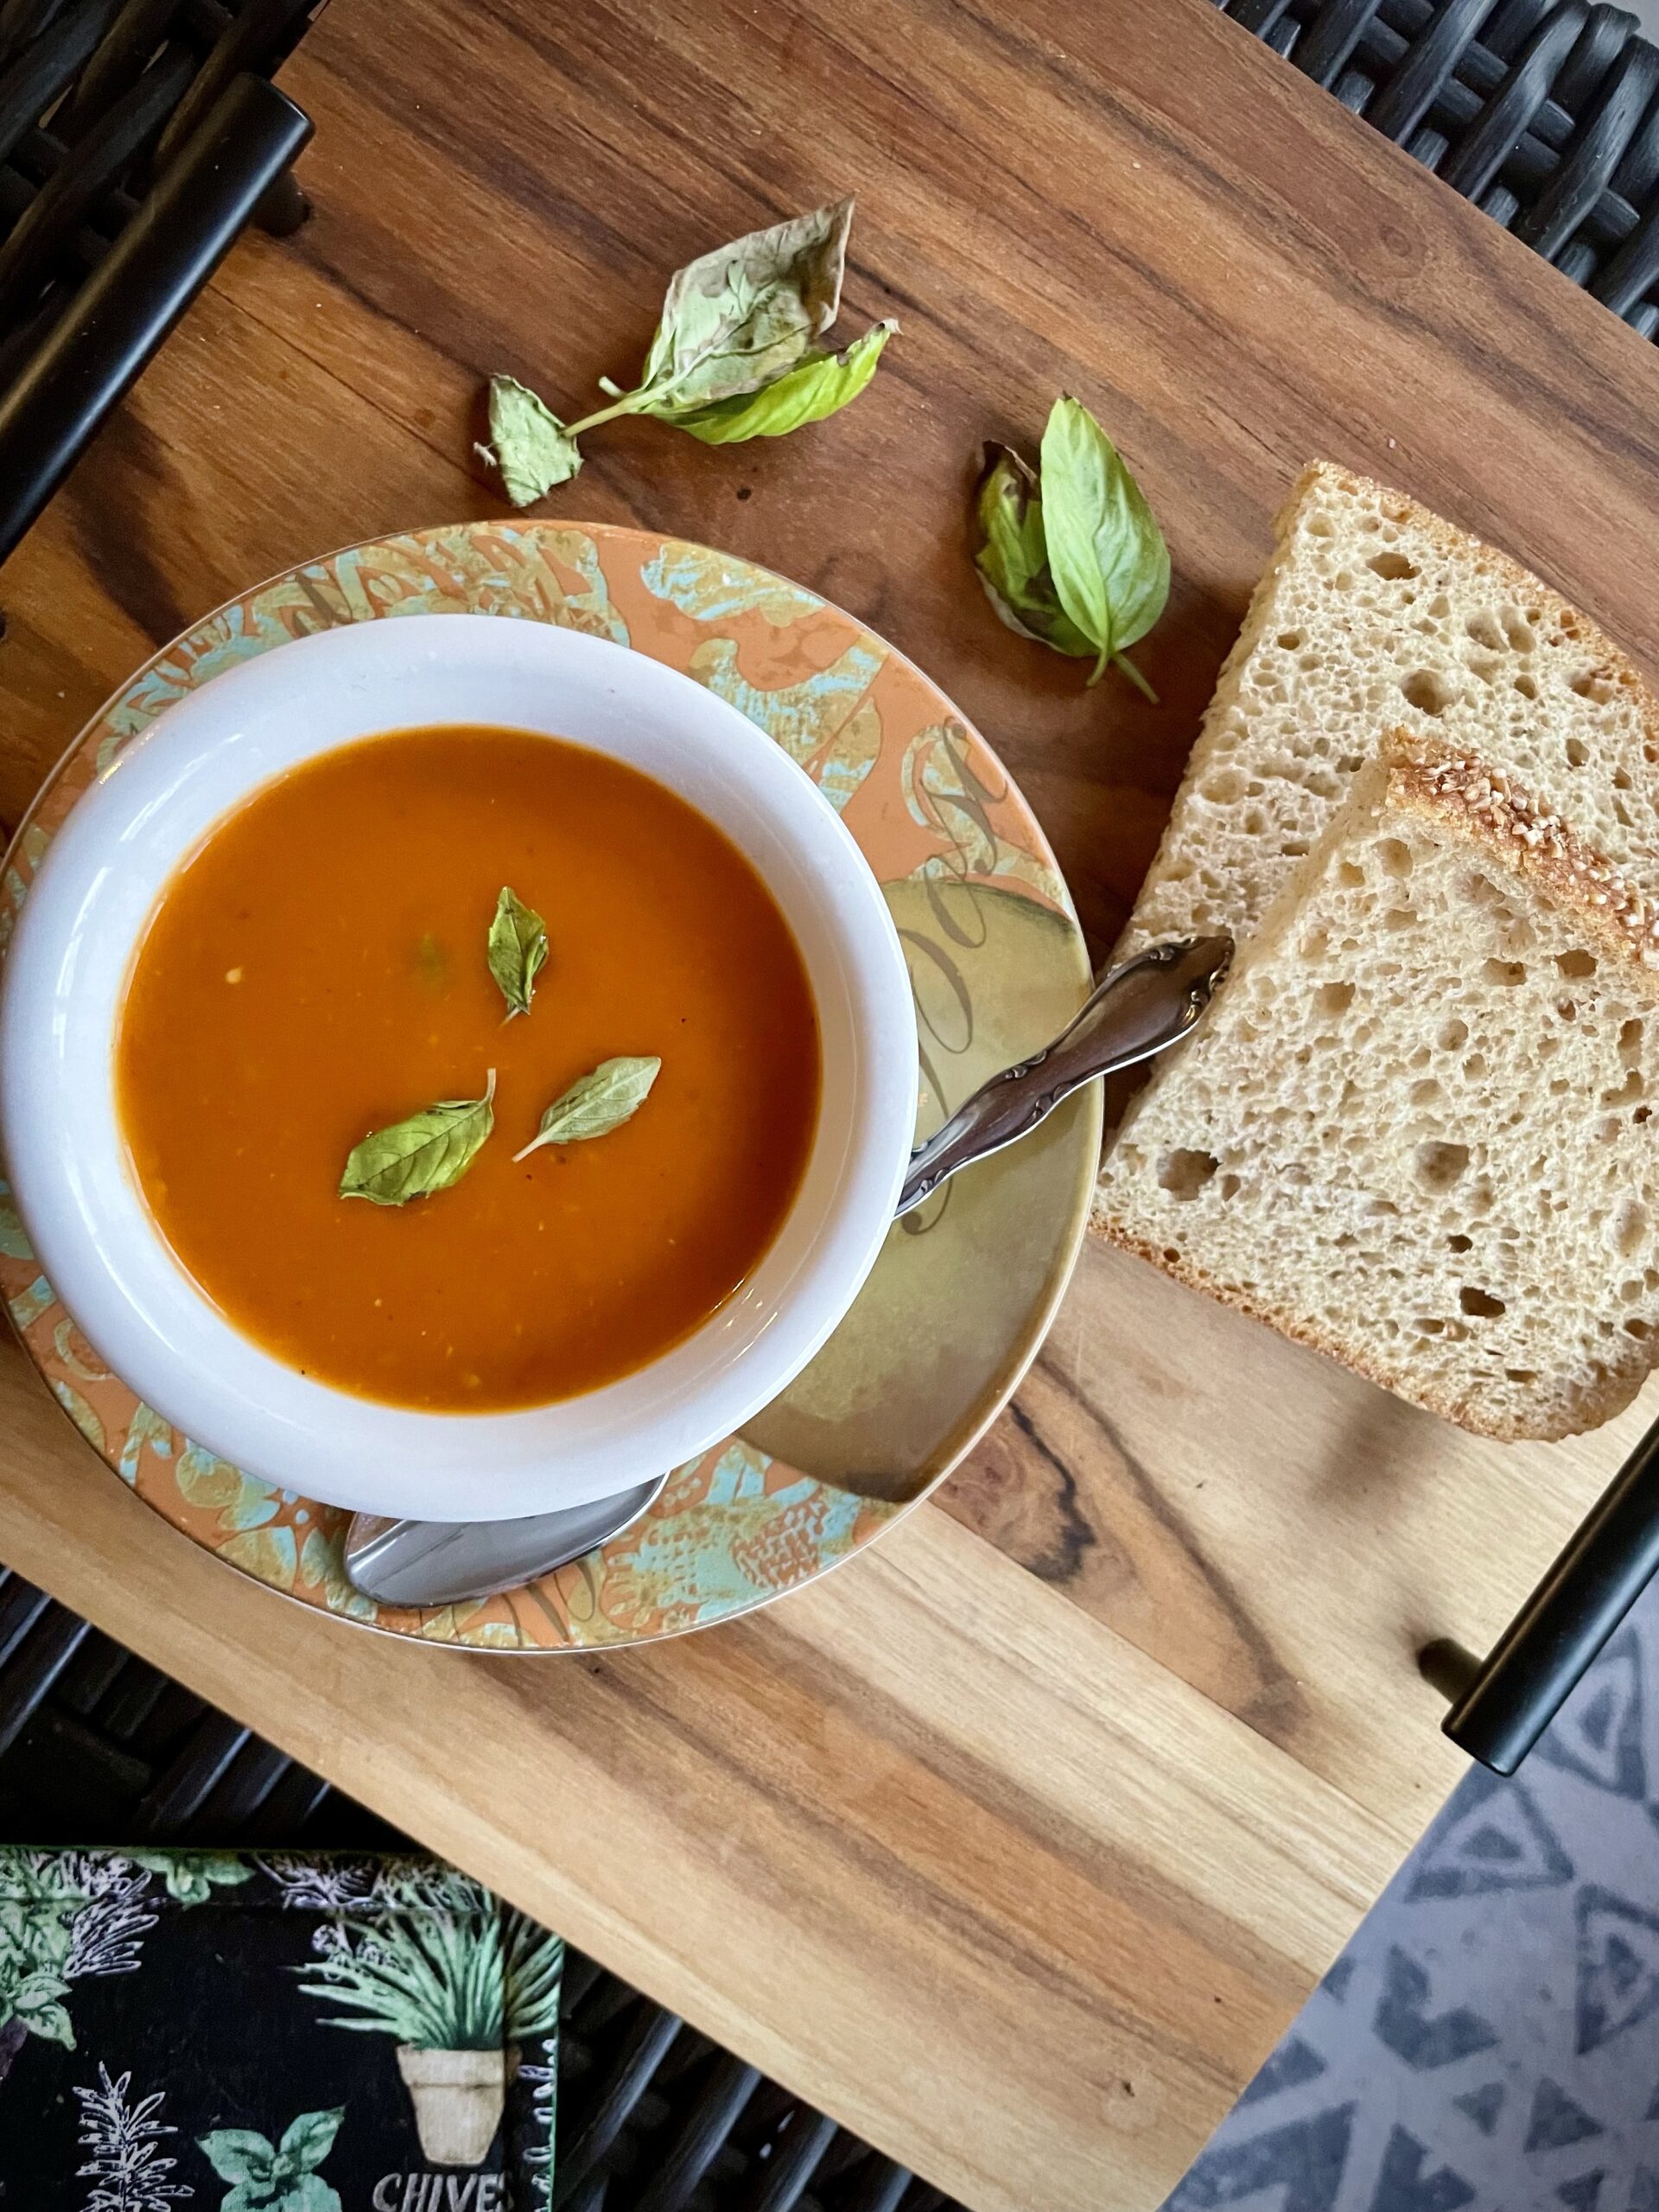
267	2176
459	1992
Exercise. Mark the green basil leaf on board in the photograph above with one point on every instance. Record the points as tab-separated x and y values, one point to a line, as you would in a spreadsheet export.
1013	557
517	949
596	1104
429	1152
818	386
735	355
530	446
1106	552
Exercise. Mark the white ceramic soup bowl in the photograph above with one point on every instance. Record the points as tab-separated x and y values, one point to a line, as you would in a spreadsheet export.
66	973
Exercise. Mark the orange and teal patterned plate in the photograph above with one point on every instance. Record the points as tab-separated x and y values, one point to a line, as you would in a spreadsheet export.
964	1288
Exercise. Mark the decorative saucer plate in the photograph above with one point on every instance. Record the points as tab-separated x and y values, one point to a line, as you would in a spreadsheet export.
965	1288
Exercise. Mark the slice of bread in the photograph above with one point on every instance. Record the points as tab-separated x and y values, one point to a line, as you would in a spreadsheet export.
1375	612
1414	1130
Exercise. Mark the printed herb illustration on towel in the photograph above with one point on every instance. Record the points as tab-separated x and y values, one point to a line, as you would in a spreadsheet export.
64	1914
127	2167
267	2176
421	1954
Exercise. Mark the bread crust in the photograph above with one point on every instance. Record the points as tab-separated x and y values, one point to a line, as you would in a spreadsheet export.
1449	787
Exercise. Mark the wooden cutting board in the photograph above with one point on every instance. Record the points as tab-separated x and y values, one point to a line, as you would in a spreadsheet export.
1015	1844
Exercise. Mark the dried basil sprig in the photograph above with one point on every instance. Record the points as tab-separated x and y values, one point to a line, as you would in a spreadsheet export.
735	356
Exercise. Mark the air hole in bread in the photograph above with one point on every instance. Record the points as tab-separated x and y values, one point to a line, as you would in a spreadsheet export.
1171	1255
1632	1089
1399	918
1480	1303
1349	876
1438	1166
1426	1325
1230	1186
1508	973
1396	856
1184	1173
1453	1036
1520	1374
1638	1328
1222	789
1321	527
1429	691
1622	779
1630	1230
1394	566
1427	1092
1334	998
1576	964
1459	1242
1290	640
1577	753
1483	628
1567	1009
1595	684
1526	685
1517	630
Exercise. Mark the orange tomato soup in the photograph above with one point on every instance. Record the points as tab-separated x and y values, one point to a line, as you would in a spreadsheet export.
317	969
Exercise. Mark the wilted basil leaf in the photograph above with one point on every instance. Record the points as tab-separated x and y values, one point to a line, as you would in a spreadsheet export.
596	1104
532	448
736	318
819	385
429	1152
1012	558
1107	554
517	949
735	355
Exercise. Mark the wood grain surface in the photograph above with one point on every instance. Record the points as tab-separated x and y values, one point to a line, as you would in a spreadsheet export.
1015	1843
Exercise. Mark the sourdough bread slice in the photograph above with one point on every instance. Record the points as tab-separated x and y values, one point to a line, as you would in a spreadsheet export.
1375	612
1414	1130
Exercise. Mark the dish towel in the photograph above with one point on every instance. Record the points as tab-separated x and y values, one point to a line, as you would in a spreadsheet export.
271	2032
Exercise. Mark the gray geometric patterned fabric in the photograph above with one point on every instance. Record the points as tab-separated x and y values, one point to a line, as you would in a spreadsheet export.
1491	2036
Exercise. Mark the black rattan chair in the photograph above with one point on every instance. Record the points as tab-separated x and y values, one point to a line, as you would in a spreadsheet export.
138	138
1544	112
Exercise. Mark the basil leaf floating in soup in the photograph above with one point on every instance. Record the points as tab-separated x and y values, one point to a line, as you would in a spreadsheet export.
1109	562
596	1104
429	1152
518	949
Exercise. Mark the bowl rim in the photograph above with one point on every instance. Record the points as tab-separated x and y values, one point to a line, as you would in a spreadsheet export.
293	1430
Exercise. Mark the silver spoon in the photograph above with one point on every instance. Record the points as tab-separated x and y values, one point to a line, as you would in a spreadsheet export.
1139	1010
